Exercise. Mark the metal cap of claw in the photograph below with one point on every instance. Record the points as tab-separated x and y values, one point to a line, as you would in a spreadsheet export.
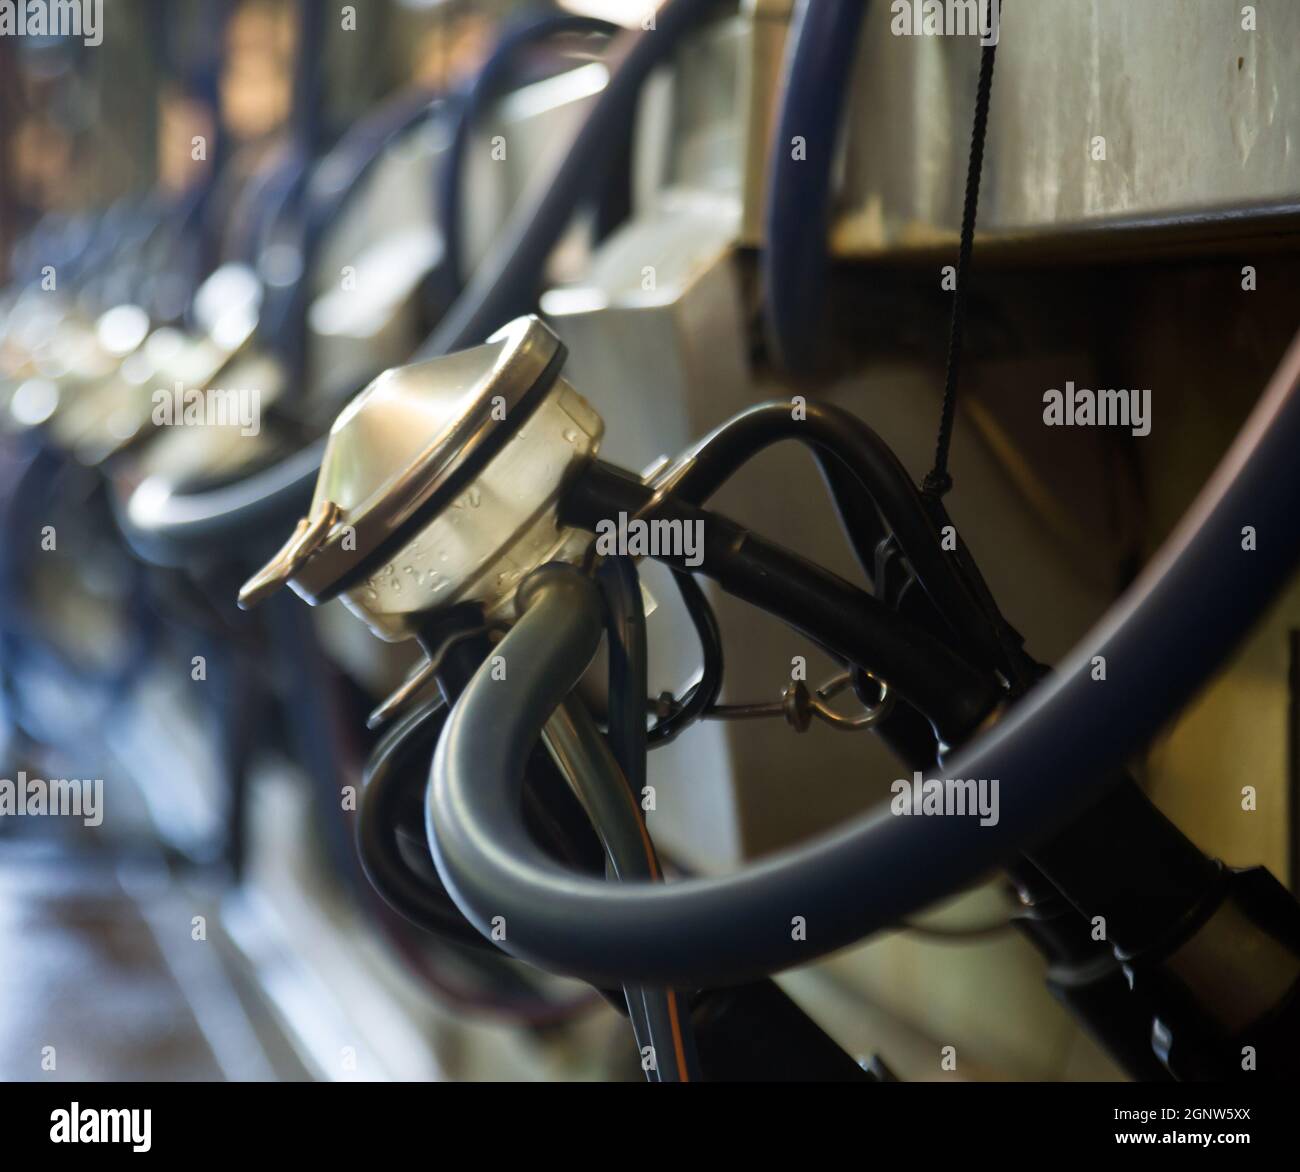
434	480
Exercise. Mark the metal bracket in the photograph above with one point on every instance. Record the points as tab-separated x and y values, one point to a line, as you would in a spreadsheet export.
305	540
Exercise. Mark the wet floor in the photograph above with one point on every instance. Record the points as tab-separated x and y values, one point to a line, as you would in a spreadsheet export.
100	978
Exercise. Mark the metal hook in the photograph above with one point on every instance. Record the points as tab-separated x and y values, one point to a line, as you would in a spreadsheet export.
799	706
866	718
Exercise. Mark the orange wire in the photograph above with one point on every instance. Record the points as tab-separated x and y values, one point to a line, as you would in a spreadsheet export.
679	1044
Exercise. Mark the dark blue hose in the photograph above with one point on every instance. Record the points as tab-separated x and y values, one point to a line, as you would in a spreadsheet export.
307	117
346	167
344	171
24	651
506	282
819	67
497	73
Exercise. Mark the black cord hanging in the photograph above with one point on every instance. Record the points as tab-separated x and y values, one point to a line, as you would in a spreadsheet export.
938	481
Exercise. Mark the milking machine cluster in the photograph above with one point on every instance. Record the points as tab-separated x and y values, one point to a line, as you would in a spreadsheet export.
461	498
460	505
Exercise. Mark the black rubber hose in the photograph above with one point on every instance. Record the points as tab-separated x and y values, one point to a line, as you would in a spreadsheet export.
821	51
838	616
553	815
396	862
169	529
628	661
704	693
418	898
1152	878
406	878
848	450
659	1017
618	818
1053	753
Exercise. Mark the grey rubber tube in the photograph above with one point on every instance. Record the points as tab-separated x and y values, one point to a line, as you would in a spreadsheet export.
1234	550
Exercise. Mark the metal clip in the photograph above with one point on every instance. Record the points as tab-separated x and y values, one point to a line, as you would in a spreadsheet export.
305	540
423	675
799	706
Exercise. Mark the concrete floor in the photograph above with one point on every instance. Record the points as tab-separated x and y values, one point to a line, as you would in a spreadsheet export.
102	980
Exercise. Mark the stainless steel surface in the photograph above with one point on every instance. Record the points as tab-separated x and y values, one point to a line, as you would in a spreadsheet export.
367	285
1197	113
764	65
